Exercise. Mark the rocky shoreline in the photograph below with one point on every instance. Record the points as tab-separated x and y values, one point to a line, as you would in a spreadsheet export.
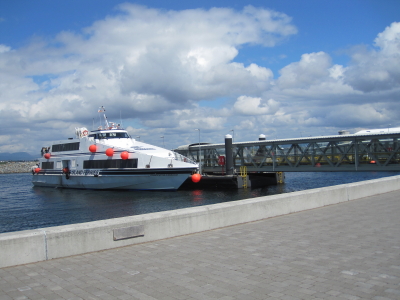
7	167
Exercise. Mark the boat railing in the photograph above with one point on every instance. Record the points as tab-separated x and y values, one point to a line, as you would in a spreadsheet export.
180	157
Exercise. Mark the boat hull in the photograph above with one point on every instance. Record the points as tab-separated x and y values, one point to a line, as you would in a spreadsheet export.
108	158
109	180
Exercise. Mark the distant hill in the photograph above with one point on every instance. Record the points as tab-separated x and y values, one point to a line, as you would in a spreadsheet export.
17	156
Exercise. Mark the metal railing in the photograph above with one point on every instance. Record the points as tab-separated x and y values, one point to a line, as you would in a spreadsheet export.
180	157
374	152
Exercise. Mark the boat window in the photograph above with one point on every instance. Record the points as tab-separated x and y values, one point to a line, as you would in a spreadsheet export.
115	163
47	165
65	147
110	135
117	135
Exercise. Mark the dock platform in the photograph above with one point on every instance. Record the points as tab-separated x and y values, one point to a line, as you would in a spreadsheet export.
253	180
347	251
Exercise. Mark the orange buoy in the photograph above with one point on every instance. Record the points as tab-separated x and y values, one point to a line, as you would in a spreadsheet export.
196	177
125	155
93	148
37	170
110	152
47	155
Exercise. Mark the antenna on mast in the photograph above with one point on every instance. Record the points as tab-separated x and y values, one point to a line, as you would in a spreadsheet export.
103	110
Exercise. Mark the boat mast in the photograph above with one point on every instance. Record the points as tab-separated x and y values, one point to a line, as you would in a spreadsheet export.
103	110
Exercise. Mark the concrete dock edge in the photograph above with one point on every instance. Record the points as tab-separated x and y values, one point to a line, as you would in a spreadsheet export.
30	246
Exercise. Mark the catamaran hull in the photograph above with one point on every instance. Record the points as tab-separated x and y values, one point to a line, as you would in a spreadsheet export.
119	182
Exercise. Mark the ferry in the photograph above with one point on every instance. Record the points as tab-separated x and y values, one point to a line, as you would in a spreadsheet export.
108	158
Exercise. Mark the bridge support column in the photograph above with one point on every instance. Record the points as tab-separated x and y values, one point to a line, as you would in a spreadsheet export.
228	155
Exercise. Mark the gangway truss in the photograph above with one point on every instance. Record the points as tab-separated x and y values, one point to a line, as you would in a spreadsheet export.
372	152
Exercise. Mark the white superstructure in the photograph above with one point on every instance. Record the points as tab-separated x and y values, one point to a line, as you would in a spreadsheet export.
108	158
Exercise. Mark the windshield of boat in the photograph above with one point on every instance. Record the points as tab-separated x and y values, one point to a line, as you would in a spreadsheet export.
110	135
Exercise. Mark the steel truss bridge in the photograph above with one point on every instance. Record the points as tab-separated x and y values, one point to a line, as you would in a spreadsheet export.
374	152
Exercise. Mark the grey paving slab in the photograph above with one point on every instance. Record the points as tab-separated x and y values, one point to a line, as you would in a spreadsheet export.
345	251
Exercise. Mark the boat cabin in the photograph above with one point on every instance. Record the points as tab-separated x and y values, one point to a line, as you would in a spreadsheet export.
110	135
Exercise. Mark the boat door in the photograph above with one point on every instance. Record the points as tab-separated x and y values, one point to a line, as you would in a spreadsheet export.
66	164
66	168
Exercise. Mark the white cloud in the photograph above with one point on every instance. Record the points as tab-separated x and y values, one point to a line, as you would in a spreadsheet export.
246	125
350	115
255	106
143	61
189	54
312	69
389	40
4	48
377	70
158	67
336	72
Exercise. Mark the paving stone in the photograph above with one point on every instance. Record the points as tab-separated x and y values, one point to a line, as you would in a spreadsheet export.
345	251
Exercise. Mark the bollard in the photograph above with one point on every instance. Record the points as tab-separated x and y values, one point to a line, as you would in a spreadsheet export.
228	155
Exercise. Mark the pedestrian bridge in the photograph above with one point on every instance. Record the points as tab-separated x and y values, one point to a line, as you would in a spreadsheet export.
351	152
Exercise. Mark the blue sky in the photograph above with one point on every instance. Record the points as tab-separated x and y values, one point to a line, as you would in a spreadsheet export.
304	70
330	26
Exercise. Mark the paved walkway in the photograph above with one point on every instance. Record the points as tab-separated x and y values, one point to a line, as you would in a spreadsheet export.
345	251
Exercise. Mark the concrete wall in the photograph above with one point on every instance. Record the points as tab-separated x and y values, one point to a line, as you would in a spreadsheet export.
54	242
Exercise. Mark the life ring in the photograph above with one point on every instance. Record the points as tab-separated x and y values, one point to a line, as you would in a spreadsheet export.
85	133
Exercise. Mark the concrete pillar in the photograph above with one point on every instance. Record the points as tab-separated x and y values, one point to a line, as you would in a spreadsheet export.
280	177
228	155
240	181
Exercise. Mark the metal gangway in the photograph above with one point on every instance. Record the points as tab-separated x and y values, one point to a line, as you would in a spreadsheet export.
338	153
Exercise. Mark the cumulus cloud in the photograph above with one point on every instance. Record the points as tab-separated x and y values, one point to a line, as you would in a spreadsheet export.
158	68
189	54
357	115
4	48
377	69
315	92
151	61
312	69
255	106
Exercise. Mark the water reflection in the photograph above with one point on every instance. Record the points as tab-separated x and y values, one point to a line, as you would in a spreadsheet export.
23	206
197	197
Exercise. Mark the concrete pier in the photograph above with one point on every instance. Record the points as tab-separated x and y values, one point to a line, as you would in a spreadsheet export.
62	241
344	251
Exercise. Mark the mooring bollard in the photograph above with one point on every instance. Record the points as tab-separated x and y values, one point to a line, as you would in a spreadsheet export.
229	155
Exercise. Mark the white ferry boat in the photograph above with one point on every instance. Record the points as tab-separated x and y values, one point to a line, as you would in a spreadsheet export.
108	158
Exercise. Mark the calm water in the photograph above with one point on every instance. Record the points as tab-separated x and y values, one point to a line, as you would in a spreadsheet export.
23	206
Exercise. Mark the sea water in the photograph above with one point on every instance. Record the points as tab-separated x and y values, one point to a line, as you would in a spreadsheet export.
23	206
